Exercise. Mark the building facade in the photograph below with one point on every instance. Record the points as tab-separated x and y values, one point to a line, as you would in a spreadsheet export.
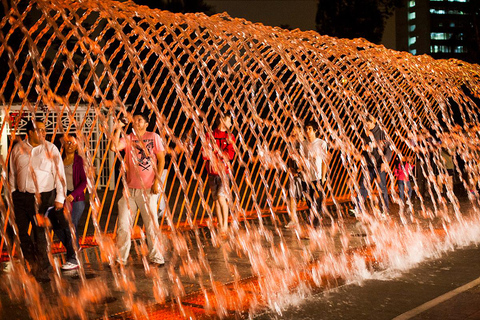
439	28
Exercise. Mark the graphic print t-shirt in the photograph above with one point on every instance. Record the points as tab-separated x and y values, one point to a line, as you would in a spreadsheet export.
141	172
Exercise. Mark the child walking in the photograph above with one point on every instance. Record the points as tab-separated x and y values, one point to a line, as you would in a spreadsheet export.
403	172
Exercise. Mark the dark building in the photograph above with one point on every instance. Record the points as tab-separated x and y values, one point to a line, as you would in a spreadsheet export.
440	28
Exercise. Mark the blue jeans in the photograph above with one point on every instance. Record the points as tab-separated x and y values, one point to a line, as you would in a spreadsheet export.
64	234
401	189
372	174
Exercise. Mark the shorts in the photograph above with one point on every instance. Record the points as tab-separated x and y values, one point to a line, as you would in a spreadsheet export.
295	188
217	187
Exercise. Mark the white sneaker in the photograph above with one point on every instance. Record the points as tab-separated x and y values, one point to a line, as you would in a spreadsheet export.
7	267
291	224
158	261
69	266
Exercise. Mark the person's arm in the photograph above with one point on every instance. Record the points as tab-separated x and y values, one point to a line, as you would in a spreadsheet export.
324	171
160	166
80	188
117	143
387	152
13	169
204	151
60	179
324	162
159	151
230	150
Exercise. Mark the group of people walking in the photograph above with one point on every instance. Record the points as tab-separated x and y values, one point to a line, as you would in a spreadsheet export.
42	182
48	184
45	182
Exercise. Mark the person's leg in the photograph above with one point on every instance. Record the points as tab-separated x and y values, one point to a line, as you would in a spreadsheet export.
24	209
214	189
148	210
126	212
223	189
65	235
365	182
61	228
223	208
77	210
316	198
294	193
451	172
311	202
219	213
410	189
162	196
401	190
383	187
319	189
40	236
292	212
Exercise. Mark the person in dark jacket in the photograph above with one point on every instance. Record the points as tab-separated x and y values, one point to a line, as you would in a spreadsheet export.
76	182
375	146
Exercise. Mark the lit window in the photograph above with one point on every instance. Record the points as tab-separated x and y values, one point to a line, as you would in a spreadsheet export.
412	40
411	28
413	51
411	15
457	1
460	49
440	49
452	24
439	11
411	4
440	36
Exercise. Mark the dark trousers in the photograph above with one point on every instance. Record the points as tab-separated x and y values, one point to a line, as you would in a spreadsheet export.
34	246
314	202
372	175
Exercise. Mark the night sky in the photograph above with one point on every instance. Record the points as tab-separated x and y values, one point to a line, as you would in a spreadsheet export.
294	13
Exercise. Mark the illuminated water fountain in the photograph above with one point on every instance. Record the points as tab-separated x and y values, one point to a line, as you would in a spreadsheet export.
86	64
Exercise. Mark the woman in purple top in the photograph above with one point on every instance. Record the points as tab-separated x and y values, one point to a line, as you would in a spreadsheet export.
76	181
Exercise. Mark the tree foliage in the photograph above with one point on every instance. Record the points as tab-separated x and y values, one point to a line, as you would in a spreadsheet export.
473	36
182	6
354	18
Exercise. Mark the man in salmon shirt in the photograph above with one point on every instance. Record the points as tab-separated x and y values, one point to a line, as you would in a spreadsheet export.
144	160
218	157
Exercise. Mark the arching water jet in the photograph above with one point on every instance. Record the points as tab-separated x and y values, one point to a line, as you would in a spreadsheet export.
102	60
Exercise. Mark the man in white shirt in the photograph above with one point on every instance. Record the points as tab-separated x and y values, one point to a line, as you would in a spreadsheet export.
36	167
315	170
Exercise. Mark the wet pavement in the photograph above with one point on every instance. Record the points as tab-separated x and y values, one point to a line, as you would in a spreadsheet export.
397	295
116	302
385	296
